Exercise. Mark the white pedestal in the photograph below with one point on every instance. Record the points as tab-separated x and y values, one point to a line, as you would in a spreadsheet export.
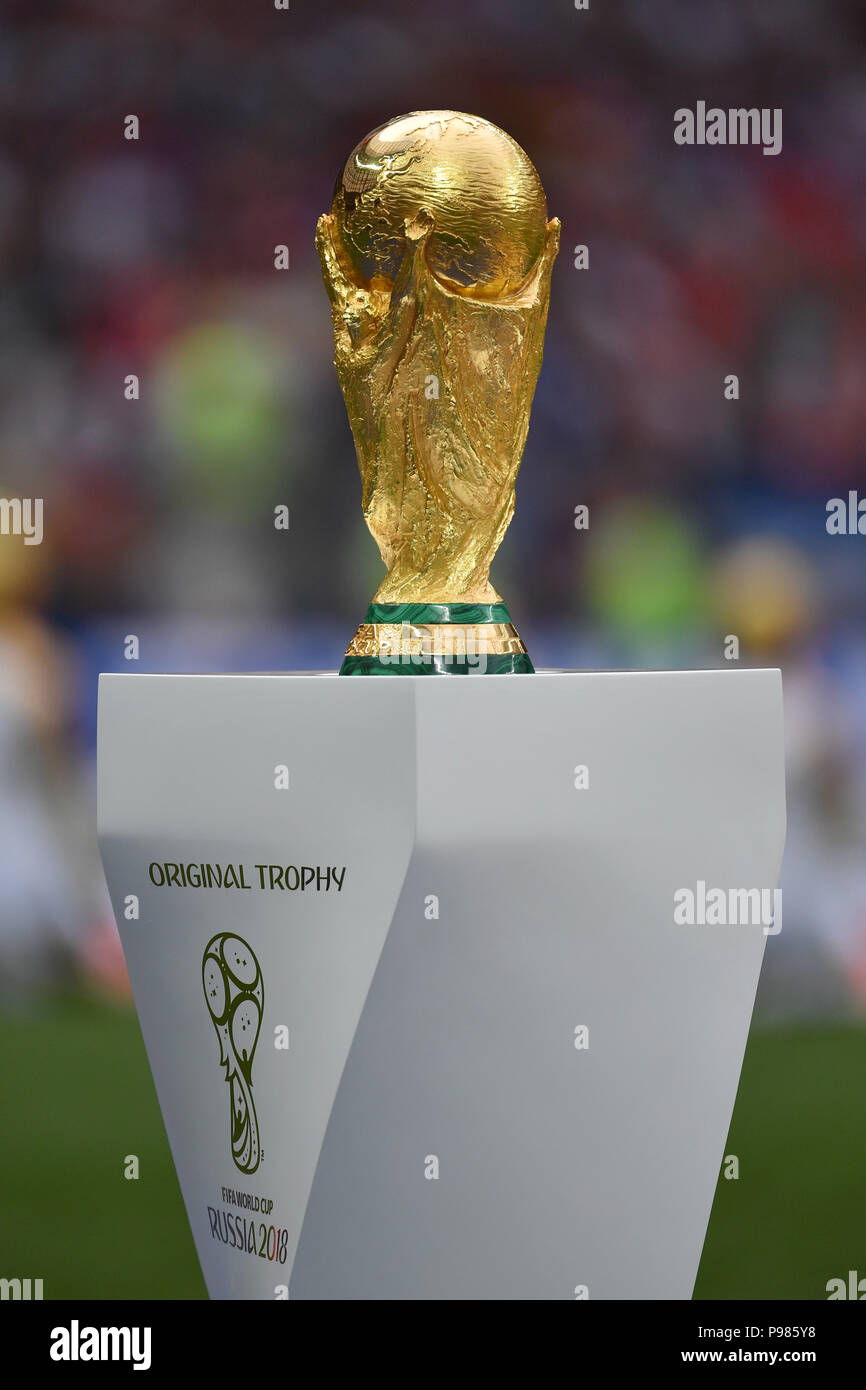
415	1037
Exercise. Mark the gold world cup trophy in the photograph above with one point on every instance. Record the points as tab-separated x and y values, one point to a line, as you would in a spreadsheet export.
437	255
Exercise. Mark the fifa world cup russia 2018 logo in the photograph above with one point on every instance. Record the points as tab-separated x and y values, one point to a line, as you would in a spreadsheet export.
235	997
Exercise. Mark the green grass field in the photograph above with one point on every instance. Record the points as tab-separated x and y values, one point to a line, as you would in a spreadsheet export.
77	1097
796	1216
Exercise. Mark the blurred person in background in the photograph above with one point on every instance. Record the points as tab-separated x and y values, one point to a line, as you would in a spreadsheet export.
41	920
767	594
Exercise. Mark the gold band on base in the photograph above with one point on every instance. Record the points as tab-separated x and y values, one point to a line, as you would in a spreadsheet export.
425	641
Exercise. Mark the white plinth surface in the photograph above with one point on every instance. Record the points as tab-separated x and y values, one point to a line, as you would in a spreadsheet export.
416	1037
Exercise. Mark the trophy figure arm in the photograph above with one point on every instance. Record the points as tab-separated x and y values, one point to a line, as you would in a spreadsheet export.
373	330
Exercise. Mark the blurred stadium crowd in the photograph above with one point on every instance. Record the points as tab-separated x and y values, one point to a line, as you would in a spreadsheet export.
155	257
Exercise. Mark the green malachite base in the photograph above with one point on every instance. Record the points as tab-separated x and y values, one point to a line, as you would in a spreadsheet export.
425	613
515	664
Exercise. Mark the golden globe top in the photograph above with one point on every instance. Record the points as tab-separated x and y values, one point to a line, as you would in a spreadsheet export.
437	255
